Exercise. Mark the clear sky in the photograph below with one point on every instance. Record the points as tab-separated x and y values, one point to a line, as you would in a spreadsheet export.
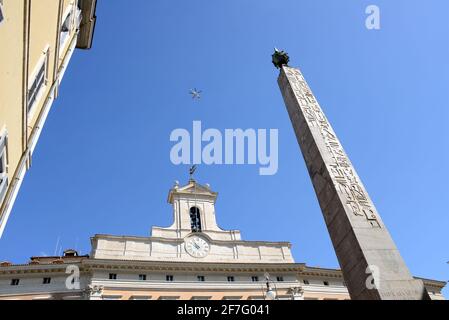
102	164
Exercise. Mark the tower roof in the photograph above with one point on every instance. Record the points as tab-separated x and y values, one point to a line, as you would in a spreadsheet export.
192	188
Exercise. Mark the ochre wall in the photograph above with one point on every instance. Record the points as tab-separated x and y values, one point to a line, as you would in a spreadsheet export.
37	23
11	77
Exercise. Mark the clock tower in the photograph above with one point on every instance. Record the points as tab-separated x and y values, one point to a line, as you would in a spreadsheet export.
194	214
194	236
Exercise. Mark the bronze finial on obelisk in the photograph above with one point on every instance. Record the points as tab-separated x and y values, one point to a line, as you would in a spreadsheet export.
280	58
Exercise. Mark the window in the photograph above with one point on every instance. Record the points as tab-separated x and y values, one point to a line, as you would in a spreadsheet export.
232	298
1	11
195	220
169	278
78	15
112	276
279	279
40	80
111	297
3	167
306	282
168	298
255	279
231	279
142	277
65	28
200	278
200	298
15	282
326	283
140	298
46	281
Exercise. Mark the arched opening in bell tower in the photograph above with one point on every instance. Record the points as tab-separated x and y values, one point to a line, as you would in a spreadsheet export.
195	219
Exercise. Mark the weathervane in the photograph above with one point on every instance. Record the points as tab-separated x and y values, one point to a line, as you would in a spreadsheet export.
192	171
280	58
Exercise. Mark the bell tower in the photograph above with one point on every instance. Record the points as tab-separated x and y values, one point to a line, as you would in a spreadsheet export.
194	213
193	236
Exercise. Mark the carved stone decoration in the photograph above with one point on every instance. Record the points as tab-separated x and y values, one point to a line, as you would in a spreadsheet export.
94	292
371	263
297	293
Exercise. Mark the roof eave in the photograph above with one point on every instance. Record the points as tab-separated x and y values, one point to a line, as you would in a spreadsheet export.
88	23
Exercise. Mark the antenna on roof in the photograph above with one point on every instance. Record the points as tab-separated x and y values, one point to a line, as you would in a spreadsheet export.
56	247
76	244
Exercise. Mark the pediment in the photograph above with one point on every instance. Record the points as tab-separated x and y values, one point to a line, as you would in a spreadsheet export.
192	187
195	187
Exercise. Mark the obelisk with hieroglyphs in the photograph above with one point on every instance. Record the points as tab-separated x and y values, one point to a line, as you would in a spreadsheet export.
371	263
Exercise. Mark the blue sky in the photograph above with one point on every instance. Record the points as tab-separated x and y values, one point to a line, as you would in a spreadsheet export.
102	164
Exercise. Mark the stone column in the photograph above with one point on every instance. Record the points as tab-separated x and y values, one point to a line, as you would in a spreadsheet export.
371	264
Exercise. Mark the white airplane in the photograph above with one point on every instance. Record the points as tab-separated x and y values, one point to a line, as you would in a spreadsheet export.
196	94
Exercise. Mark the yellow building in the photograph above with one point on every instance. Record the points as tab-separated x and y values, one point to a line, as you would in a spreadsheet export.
38	39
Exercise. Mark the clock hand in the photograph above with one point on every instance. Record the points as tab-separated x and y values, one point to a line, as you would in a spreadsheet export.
196	245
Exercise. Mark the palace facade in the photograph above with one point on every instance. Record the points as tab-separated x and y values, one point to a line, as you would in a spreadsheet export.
193	259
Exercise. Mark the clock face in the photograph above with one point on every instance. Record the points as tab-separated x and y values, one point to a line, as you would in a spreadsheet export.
197	246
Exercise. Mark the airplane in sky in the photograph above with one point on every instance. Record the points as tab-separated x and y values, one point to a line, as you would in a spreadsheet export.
196	94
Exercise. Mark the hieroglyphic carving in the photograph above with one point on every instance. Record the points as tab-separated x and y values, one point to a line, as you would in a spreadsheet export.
341	171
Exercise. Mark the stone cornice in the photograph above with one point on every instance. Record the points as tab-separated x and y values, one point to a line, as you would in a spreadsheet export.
188	285
191	266
75	293
336	273
88	265
181	240
322	272
433	283
38	268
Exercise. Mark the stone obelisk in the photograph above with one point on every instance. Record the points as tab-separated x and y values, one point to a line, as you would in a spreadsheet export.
371	264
